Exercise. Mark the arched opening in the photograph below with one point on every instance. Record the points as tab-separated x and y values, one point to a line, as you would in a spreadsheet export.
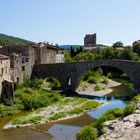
106	80
52	83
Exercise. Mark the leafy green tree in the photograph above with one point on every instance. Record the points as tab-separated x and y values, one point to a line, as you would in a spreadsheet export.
67	57
84	56
72	51
81	49
108	53
136	47
126	54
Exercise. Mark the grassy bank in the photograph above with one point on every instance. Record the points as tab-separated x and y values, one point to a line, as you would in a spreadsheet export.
96	129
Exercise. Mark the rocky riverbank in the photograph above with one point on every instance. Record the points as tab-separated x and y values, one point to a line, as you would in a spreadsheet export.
127	128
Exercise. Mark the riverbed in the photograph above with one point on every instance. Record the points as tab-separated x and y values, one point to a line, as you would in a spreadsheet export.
66	129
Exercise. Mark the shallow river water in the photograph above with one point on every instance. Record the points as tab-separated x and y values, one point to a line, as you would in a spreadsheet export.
67	129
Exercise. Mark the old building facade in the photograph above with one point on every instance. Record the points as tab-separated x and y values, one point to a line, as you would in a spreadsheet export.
4	70
90	42
23	57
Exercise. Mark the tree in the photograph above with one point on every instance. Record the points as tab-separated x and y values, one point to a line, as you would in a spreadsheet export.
117	44
72	53
136	47
108	53
81	49
126	54
84	56
67	57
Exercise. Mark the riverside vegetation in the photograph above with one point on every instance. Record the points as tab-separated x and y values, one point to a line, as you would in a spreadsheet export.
96	129
40	104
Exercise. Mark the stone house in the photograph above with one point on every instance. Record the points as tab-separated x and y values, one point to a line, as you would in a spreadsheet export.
23	57
60	56
48	53
4	70
21	60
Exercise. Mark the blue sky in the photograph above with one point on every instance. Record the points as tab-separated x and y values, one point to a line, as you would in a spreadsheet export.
67	21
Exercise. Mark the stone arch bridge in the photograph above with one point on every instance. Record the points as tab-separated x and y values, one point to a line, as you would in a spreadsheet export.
73	71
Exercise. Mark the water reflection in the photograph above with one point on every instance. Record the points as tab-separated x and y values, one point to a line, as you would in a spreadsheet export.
111	105
64	132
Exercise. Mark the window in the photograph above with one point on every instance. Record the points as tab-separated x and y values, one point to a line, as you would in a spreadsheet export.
27	59
17	79
22	60
2	71
23	68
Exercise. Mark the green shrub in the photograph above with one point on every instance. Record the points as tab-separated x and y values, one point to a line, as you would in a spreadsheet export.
36	83
95	77
32	83
34	98
7	110
99	87
136	98
87	133
129	109
124	75
54	83
109	75
118	112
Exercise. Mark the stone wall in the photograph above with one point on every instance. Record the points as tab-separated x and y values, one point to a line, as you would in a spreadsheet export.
7	92
4	70
47	55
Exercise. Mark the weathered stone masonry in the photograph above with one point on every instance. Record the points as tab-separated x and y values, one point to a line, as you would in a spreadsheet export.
74	71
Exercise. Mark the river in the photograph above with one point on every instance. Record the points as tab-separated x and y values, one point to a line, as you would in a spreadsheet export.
66	129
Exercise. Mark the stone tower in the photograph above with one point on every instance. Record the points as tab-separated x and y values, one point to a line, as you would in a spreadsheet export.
90	40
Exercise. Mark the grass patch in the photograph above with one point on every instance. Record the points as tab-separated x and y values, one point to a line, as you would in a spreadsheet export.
8	110
90	105
58	116
75	111
129	109
136	98
25	120
99	87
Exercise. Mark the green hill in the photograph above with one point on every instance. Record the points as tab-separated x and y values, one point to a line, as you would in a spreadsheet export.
10	40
